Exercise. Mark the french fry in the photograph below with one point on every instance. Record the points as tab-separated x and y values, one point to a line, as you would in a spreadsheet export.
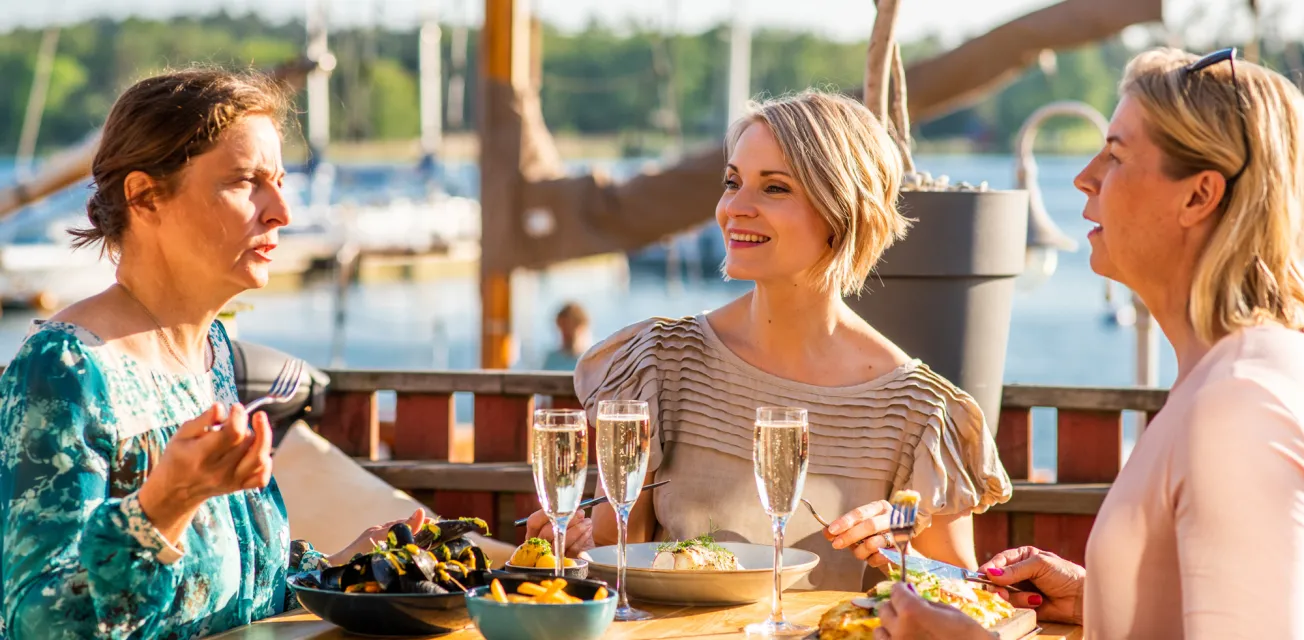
543	592
555	586
531	589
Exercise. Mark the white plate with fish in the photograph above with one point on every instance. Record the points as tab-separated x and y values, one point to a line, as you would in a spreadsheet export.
700	572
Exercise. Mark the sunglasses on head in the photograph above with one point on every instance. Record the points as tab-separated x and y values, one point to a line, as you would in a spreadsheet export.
1228	55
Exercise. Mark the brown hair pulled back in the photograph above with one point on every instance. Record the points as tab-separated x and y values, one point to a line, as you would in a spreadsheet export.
157	126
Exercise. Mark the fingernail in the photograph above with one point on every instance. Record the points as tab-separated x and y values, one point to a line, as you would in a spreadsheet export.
994	571
911	587
837	544
835	528
1034	600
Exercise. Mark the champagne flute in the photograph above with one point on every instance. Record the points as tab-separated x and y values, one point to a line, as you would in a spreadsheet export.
560	446
624	438
780	446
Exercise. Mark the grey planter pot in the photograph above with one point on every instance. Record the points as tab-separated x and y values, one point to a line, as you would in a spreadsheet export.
944	294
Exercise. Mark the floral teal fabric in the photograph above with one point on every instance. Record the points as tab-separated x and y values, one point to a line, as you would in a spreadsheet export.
80	428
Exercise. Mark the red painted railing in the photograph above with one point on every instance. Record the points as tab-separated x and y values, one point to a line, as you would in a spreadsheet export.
489	476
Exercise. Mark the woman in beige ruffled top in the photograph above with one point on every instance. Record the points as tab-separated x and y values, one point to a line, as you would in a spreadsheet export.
809	205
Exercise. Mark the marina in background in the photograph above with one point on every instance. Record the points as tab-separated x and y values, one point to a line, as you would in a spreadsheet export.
1064	331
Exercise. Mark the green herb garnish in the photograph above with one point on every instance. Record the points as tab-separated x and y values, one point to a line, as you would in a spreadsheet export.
705	540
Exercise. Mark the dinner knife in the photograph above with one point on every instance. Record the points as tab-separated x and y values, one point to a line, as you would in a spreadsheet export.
596	501
942	569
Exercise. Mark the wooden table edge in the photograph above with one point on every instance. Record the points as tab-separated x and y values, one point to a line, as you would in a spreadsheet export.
802	606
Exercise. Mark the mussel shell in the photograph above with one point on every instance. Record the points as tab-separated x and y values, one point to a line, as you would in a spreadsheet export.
445	531
426	535
385	570
442	553
339	578
423	563
400	535
452	576
426	586
457	547
474	558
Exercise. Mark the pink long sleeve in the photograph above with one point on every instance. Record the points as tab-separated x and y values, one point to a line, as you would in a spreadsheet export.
1240	516
1202	533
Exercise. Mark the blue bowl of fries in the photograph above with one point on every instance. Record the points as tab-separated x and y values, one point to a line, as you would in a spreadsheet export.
528	607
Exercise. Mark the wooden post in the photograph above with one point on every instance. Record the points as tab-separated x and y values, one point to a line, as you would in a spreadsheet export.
351	423
506	69
878	66
1014	441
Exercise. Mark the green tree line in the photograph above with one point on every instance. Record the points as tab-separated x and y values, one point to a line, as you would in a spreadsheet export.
601	80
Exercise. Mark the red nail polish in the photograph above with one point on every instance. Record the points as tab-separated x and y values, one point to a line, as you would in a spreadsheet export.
909	586
1034	600
995	571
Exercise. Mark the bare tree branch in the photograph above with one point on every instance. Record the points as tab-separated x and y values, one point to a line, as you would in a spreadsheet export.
961	76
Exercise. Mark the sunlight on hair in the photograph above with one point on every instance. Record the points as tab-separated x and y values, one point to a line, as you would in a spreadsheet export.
1250	271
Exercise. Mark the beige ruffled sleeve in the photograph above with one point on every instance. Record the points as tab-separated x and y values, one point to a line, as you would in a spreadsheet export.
956	468
624	367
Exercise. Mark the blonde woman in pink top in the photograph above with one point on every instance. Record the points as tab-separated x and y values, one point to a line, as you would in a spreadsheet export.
1199	200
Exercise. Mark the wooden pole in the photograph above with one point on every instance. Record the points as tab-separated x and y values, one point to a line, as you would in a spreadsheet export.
506	69
898	108
878	68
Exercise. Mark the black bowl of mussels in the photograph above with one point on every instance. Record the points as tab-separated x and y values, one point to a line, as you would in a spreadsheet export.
410	584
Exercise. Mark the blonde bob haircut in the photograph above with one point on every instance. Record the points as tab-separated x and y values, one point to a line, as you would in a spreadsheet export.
1249	273
849	167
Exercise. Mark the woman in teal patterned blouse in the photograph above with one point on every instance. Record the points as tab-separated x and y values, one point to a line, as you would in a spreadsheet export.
136	497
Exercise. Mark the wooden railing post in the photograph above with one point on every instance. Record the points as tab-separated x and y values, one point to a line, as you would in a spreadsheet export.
502	427
352	423
993	531
424	426
1089	446
1014	441
502	434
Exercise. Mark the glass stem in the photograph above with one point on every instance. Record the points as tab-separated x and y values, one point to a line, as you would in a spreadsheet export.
622	531
559	543
776	606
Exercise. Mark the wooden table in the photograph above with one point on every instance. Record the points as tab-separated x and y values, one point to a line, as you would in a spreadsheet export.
698	623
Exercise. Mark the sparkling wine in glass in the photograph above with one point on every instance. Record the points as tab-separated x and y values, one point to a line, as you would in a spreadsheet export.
560	446
624	438
780	449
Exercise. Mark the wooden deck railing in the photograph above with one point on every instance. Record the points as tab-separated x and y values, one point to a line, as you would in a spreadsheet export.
1089	453
498	485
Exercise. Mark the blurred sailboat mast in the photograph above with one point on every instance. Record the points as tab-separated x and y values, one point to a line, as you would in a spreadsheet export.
457	74
319	132
740	61
432	125
36	102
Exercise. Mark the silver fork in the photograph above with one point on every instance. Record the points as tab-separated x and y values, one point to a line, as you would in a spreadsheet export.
902	525
283	388
813	513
